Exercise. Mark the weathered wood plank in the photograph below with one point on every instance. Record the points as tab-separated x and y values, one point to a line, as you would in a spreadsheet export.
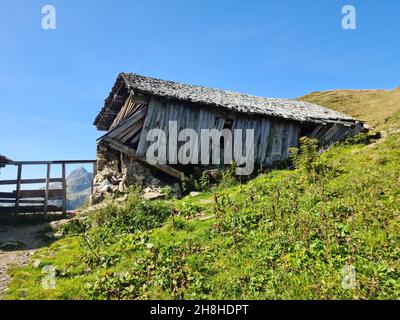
16	163
151	116
131	153
18	191
265	134
64	189
29	209
53	193
125	125
46	192
7	195
12	201
28	181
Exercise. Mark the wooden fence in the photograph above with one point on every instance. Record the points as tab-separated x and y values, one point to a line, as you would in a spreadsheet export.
36	201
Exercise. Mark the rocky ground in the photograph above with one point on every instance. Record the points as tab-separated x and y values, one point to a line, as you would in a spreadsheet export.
17	245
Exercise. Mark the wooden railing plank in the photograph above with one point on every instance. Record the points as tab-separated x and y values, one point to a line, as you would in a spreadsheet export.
24	194
46	192
28	181
18	191
7	195
12	201
64	190
29	209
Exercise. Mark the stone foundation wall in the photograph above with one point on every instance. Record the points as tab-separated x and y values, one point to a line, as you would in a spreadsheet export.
116	172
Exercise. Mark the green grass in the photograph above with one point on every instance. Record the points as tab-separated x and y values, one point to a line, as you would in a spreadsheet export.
286	234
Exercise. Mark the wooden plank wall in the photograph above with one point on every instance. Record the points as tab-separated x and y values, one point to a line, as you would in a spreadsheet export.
160	112
328	134
272	137
272	140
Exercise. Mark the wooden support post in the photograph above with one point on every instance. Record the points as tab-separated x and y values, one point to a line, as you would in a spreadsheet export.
93	175
64	190
46	195
18	189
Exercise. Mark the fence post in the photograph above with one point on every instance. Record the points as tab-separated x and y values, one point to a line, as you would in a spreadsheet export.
46	195
18	189
64	190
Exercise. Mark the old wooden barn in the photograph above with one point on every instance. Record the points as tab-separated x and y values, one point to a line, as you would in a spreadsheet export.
137	104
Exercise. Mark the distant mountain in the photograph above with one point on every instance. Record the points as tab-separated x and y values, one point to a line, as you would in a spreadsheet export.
79	183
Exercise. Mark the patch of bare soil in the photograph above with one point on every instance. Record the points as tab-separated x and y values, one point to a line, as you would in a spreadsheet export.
17	245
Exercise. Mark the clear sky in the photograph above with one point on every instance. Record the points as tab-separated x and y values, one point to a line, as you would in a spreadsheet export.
53	82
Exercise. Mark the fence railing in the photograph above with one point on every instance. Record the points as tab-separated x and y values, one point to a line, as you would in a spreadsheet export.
40	200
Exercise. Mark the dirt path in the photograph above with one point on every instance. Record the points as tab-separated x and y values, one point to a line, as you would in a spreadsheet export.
17	244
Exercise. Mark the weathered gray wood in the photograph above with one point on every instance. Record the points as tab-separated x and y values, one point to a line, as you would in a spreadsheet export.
53	193
28	181
64	189
127	123
340	134
316	130
12	201
286	140
7	195
18	191
27	163
275	143
29	209
265	134
133	130
152	113
295	136
277	146
46	194
141	99
131	153
94	174
322	131
290	139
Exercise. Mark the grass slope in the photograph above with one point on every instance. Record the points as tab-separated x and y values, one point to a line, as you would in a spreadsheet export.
288	234
284	235
371	106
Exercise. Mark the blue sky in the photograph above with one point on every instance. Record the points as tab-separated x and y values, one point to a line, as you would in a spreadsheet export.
53	83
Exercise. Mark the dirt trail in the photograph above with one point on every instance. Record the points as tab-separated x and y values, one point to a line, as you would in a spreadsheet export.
17	244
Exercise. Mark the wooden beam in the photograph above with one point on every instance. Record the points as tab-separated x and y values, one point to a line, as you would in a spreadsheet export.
130	152
92	182
18	191
12	201
7	195
141	99
28	209
53	193
16	163
46	193
24	194
28	181
64	190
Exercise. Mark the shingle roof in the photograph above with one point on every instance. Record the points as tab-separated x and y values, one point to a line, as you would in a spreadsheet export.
238	102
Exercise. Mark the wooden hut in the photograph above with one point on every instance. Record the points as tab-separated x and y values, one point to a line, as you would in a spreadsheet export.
137	104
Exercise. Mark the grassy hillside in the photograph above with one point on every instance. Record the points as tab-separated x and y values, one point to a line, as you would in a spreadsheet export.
372	106
287	234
